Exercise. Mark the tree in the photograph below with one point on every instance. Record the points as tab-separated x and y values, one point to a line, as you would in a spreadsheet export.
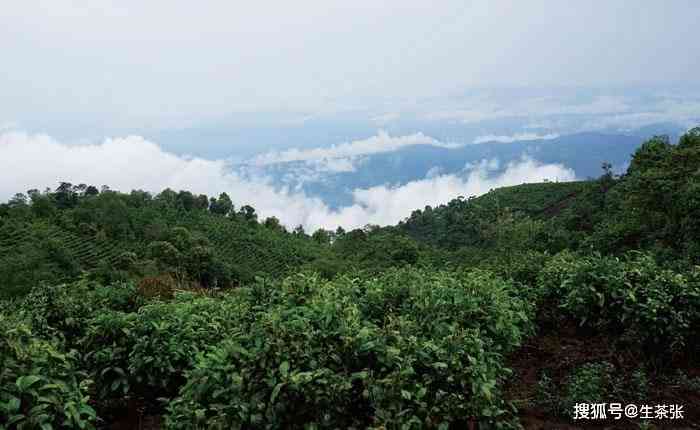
221	206
41	204
656	203
273	224
18	207
202	202
166	254
182	238
18	200
65	196
322	236
139	198
186	200
167	197
608	178
248	213
91	190
113	215
649	155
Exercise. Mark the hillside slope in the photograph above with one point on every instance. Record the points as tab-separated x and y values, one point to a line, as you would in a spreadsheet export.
460	222
122	235
510	308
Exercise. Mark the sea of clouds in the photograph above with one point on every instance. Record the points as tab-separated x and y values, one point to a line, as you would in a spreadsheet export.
37	161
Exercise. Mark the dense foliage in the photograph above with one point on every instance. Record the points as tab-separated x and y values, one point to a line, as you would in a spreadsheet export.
409	346
41	385
658	307
406	348
212	318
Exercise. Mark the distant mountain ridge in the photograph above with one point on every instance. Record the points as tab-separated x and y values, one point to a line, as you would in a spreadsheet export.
584	153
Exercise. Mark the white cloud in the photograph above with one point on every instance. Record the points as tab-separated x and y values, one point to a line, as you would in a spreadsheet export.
485	108
515	137
181	60
382	142
312	171
568	113
599	105
467	116
433	172
36	161
683	112
483	166
387	205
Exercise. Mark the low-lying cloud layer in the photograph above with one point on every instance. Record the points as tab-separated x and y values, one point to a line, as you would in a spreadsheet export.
385	203
569	112
483	107
382	142
517	137
37	161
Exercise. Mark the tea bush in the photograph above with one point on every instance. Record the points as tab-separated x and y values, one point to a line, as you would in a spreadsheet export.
39	385
660	307
285	370
165	337
553	280
65	310
107	344
53	321
522	268
590	383
406	349
440	300
146	352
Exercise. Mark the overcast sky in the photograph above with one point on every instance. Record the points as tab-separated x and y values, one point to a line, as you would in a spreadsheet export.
137	63
131	80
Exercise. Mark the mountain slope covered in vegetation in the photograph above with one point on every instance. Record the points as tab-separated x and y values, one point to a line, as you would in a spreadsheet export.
183	311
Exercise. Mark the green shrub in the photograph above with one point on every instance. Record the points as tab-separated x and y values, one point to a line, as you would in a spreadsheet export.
590	383
65	310
275	374
440	300
552	277
146	352
107	344
78	315
686	382
595	382
638	385
39	385
547	396
407	349
594	291
658	307
166	336
524	267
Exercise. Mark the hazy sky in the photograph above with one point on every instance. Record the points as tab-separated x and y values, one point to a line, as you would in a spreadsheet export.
165	63
167	93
